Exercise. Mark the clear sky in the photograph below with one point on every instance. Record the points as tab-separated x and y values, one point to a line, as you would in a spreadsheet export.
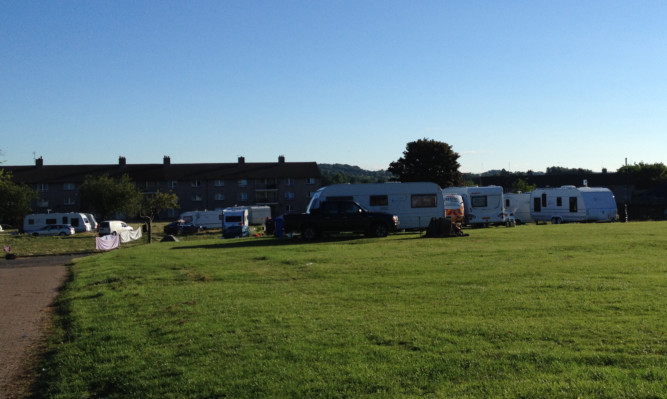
519	85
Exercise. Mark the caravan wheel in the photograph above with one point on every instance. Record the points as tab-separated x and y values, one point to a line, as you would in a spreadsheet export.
556	221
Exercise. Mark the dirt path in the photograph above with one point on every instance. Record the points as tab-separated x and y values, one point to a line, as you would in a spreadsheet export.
28	287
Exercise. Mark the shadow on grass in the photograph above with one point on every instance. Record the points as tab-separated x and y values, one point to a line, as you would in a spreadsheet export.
275	242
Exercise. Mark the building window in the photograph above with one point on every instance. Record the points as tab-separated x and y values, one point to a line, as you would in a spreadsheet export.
379	200
196	198
289	208
289	195
311	180
69	186
243	183
69	201
220	197
289	182
43	203
219	183
172	213
242	196
172	184
43	187
196	183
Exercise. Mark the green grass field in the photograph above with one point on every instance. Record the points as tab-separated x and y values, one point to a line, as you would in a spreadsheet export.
565	311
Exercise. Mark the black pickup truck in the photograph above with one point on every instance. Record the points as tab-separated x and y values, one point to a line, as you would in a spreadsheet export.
340	216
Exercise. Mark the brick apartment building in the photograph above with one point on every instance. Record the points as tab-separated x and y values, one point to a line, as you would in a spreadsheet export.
284	186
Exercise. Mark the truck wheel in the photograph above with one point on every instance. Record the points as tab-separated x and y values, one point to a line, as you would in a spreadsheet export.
379	230
308	233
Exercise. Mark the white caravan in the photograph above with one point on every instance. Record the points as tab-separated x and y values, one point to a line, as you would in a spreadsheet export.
36	221
257	214
234	216
206	219
415	204
483	205
517	207
573	204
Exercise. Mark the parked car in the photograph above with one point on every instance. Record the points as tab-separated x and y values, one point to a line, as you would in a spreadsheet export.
113	227
180	227
54	230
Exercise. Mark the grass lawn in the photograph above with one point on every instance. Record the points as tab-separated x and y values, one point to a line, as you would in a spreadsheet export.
562	311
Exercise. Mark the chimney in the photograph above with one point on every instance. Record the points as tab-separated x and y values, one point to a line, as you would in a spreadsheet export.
166	161
122	161
241	160
281	159
39	162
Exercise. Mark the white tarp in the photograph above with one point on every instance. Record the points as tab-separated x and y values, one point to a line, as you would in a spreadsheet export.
127	236
106	243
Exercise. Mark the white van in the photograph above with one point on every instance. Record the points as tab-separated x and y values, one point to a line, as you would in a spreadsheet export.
113	227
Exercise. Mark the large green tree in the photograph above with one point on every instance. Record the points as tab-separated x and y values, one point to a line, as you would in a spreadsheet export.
15	199
428	160
646	175
108	196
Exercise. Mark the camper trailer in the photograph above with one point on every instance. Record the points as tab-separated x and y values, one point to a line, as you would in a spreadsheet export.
517	207
573	204
205	219
415	204
483	205
235	222
36	221
211	219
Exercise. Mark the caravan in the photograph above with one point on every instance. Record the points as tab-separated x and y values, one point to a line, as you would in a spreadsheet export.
235	222
36	221
415	204
483	205
205	219
517	207
573	204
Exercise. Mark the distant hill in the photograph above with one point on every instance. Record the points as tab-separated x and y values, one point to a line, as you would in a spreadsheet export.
341	173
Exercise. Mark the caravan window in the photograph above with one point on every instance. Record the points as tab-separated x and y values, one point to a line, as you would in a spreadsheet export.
379	200
479	201
74	222
544	199
51	221
423	201
559	201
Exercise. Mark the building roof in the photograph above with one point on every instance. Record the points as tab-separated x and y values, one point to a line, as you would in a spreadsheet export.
40	173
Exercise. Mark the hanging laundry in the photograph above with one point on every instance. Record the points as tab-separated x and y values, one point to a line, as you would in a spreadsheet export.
106	243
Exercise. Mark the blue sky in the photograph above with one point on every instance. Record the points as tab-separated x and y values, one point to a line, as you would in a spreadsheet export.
519	85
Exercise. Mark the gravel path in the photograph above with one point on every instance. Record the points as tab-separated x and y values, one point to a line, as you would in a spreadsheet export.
28	287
